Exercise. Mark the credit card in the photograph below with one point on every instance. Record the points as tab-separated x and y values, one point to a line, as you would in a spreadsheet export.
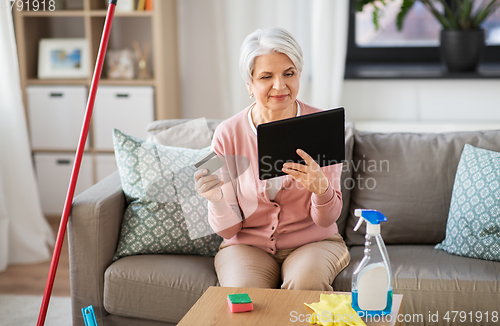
211	162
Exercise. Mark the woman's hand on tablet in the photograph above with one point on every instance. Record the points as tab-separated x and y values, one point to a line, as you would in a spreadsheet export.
310	175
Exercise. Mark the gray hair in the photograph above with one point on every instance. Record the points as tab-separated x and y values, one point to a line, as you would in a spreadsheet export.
268	41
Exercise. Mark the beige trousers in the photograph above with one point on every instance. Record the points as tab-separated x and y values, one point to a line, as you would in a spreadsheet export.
313	266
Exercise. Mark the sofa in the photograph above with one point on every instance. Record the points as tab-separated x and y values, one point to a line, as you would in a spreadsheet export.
408	177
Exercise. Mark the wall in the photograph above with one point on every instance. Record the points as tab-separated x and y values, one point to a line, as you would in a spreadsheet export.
419	100
202	71
468	103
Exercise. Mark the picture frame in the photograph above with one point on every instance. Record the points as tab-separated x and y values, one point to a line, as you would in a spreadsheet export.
120	64
63	58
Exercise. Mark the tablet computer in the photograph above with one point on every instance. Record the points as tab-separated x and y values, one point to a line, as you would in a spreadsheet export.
320	134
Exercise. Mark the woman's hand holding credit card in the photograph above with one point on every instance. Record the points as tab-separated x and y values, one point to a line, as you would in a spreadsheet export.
207	184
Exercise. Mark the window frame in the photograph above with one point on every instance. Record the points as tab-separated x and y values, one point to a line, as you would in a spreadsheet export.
399	55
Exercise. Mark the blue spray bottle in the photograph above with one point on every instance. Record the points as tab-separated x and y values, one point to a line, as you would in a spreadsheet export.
372	279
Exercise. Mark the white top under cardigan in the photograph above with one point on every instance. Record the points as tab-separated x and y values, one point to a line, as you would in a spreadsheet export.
273	184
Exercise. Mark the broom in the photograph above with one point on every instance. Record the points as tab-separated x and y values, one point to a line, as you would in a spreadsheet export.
78	160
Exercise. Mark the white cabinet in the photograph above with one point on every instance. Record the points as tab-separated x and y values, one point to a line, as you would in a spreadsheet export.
105	165
56	116
53	171
129	109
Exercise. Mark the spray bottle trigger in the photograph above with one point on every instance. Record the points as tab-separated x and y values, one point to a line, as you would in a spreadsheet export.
357	212
360	221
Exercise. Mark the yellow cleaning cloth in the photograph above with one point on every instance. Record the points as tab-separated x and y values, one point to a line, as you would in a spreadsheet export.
334	310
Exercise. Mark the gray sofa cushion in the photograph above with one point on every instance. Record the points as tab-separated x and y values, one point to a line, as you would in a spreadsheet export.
346	181
433	280
409	178
158	126
192	134
157	287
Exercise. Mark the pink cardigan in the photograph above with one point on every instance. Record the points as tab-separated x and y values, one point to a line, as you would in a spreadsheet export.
245	215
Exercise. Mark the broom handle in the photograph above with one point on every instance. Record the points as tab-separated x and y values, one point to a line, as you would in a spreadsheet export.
78	161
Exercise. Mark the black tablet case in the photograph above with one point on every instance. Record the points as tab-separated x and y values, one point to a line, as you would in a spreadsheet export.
320	134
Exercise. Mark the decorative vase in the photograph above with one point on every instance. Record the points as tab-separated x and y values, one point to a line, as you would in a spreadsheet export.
461	50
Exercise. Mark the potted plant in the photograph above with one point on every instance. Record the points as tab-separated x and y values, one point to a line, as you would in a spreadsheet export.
462	39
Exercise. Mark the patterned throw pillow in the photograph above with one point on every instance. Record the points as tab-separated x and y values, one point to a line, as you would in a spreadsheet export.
473	227
164	214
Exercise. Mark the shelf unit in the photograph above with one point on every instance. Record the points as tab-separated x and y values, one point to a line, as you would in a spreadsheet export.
159	27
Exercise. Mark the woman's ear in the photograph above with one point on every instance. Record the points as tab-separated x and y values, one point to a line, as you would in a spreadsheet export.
249	87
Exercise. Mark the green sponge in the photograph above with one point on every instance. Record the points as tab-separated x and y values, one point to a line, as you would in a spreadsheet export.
239	302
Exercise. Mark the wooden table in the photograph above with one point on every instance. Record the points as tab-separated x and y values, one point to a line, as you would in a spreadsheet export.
271	307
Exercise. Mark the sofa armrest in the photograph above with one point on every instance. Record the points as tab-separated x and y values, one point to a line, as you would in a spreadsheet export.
93	231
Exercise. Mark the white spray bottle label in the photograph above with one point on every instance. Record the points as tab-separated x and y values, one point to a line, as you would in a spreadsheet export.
372	287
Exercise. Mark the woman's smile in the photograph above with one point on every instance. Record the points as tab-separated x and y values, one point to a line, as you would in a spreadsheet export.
279	97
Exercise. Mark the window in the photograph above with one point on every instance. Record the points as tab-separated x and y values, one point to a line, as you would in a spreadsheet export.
420	28
417	42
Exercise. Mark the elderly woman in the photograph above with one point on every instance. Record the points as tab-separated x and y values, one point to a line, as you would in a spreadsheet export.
281	231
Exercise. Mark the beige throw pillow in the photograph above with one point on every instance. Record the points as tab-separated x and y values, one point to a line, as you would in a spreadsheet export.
192	134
